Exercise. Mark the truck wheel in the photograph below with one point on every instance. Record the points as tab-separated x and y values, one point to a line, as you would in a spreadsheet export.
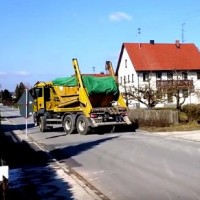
68	124
42	124
35	119
82	125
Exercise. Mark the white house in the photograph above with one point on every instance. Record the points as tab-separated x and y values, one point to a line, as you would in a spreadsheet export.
160	62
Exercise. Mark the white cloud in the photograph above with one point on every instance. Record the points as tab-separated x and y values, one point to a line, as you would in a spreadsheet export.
22	73
119	16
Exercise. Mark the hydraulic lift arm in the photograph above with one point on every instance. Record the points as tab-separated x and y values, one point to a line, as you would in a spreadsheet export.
109	68
77	72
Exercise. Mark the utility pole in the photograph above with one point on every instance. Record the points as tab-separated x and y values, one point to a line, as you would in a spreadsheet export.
182	32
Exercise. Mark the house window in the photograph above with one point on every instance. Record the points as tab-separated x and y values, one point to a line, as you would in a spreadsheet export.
145	76
121	80
128	78
124	79
159	75
169	75
185	93
132	78
184	76
125	63
198	75
159	94
170	97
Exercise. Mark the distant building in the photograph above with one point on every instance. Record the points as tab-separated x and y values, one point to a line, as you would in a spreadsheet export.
159	64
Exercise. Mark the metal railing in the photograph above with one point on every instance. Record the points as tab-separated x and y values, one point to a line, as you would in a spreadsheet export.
161	84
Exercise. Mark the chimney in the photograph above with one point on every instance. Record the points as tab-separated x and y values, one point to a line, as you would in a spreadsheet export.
177	43
152	42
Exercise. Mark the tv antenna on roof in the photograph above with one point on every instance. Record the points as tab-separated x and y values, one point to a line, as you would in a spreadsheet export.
139	33
182	32
93	68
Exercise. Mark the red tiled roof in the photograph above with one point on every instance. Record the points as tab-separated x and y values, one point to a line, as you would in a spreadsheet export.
161	56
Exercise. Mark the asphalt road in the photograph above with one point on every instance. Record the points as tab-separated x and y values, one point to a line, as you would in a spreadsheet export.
128	165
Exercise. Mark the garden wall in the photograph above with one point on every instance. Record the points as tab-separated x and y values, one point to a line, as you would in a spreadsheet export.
157	118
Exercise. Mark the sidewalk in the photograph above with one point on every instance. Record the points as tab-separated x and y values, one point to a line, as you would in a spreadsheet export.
186	135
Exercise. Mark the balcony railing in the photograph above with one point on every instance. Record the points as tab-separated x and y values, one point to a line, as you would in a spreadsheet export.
162	84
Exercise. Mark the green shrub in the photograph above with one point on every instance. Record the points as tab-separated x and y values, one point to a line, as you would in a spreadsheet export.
192	111
182	117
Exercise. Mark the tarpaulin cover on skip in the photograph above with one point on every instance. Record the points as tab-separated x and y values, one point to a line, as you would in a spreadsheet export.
93	85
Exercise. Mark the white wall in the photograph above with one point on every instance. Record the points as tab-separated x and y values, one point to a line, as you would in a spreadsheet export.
126	69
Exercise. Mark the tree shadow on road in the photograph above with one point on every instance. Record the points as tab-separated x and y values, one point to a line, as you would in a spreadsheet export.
13	127
70	151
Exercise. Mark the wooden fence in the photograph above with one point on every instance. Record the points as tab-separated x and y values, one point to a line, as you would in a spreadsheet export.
157	118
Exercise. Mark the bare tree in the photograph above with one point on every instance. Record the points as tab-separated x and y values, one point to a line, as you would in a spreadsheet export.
198	94
151	96
180	89
180	95
146	95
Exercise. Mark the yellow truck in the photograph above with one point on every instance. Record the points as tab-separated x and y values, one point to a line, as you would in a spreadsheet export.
79	103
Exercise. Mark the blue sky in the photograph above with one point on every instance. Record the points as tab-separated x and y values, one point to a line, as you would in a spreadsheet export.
39	38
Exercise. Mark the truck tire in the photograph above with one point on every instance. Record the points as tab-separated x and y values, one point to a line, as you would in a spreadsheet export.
82	125
42	124
68	124
35	119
